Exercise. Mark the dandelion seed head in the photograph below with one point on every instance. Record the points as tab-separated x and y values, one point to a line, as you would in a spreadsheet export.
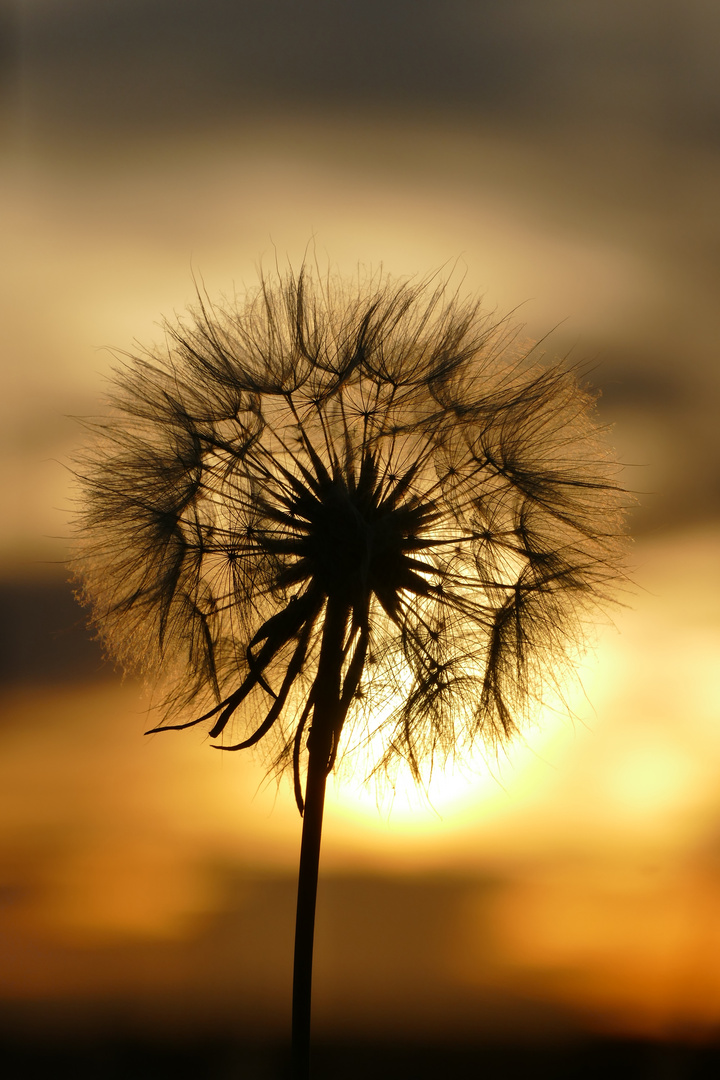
383	454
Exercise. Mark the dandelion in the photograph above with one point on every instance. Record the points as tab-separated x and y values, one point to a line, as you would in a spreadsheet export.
327	507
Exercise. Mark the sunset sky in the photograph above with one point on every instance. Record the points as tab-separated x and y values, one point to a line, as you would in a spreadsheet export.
564	167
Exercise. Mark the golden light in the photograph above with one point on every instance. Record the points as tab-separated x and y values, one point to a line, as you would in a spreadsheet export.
603	827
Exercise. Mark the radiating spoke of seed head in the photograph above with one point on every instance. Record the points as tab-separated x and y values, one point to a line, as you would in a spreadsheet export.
381	454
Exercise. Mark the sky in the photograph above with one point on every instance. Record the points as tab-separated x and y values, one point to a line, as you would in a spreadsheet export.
560	160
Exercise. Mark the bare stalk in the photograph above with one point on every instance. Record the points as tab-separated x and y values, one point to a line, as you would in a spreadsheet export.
327	721
305	918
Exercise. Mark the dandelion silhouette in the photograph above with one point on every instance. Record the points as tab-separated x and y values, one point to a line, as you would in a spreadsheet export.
328	506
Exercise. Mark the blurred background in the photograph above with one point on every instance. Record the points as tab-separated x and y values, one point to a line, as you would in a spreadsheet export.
555	910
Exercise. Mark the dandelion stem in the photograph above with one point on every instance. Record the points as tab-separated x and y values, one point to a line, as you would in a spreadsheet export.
328	717
305	918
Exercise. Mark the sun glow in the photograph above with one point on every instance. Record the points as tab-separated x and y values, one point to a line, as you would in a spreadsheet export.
454	793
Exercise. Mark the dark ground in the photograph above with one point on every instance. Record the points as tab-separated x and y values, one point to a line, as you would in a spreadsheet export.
224	1060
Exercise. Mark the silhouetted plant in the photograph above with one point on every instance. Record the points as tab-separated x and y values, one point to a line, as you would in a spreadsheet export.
326	507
